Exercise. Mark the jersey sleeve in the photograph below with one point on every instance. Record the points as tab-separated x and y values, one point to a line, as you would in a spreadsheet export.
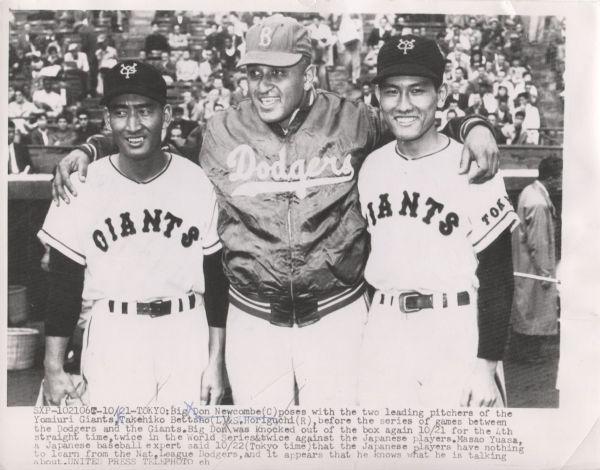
62	228
490	212
210	237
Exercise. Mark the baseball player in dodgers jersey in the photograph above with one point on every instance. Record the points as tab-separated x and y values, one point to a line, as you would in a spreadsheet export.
142	245
285	164
429	230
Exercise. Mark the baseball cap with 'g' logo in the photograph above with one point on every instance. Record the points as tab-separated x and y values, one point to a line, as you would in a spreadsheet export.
132	76
279	41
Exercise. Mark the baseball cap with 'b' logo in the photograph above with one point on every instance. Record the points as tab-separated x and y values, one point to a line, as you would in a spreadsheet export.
279	41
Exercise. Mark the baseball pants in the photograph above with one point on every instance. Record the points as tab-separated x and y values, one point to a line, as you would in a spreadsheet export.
264	360
419	359
141	360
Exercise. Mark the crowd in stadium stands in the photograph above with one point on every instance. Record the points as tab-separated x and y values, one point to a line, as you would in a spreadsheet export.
56	68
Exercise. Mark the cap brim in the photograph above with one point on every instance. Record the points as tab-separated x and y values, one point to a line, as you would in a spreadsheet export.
406	69
270	58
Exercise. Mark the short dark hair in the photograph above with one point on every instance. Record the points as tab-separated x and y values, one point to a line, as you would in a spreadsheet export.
11	124
550	167
83	111
63	116
520	113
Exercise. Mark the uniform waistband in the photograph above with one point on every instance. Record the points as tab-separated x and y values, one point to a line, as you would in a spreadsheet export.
299	311
155	308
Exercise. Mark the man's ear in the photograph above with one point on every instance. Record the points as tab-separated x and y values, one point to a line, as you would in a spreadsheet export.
107	118
309	77
167	115
442	94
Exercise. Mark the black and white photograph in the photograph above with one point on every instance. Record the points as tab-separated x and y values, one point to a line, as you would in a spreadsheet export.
318	221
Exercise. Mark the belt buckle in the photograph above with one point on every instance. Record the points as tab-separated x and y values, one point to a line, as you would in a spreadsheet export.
150	308
402	302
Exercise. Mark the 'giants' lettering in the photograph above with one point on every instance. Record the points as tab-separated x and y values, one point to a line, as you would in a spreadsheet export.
151	221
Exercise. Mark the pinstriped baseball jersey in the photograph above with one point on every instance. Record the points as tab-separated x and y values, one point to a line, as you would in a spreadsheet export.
138	241
427	223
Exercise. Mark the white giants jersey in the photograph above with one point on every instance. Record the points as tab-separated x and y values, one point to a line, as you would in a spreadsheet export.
427	223
138	241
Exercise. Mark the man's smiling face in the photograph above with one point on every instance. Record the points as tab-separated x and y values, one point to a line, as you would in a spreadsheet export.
276	91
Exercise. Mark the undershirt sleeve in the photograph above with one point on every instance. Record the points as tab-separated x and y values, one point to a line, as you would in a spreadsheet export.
65	286
495	295
216	290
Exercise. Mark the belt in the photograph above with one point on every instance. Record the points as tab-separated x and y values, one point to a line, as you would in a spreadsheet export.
286	312
156	308
413	301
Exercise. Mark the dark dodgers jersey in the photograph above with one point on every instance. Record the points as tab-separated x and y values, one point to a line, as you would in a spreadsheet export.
289	215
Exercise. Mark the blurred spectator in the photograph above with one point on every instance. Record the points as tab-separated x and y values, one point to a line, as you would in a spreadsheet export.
178	40
535	305
488	99
20	65
478	81
241	92
183	124
25	39
75	59
497	128
370	61
11	93
183	22
41	135
350	35
368	96
18	155
473	33
208	66
84	128
48	100
448	72
230	55
476	105
107	58
63	135
20	109
382	32
322	41
459	58
167	67
89	43
460	77
215	37
187	69
504	113
155	42
52	66
491	31
526	85
516	133
54	41
531	121
456	37
516	70
239	27
223	93
455	96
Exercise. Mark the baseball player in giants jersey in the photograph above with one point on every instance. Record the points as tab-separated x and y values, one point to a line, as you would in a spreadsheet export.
284	164
142	245
440	250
